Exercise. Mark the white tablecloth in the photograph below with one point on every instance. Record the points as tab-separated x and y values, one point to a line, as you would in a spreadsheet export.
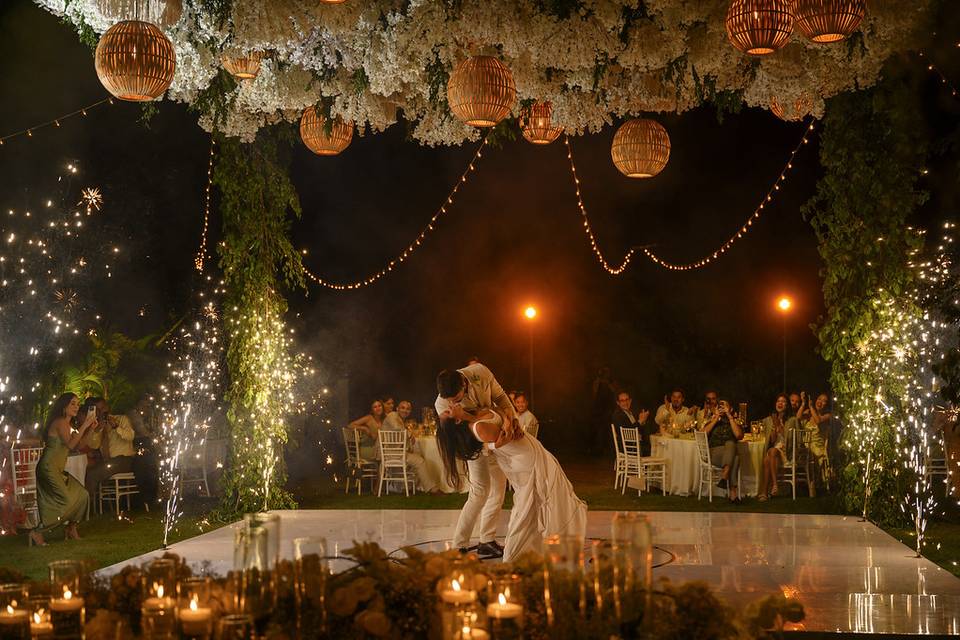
77	466
681	455
428	448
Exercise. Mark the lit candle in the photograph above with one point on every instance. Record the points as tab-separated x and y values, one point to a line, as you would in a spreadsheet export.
457	594
66	615
158	601
14	624
195	620
503	610
469	633
39	627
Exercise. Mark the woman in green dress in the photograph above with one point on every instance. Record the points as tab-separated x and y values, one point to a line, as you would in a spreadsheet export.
369	428
61	499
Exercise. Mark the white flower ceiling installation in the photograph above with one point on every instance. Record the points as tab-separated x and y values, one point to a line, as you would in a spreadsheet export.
595	60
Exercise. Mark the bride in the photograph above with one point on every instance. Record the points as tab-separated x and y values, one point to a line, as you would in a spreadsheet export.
544	502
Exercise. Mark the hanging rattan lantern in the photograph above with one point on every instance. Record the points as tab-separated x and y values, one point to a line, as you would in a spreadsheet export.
314	133
135	61
536	124
759	27
799	110
480	91
641	148
243	67
825	21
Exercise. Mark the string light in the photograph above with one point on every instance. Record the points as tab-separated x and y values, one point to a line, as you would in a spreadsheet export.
55	122
202	251
765	202
421	237
943	78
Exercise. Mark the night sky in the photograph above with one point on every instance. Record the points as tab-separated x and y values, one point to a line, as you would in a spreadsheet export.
514	236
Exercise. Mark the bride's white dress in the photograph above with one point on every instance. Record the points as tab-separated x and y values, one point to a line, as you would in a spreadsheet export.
544	502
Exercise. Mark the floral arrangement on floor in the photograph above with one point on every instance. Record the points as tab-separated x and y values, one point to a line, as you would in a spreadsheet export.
593	59
387	597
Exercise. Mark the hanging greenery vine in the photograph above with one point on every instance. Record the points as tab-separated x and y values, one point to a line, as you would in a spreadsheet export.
257	200
872	152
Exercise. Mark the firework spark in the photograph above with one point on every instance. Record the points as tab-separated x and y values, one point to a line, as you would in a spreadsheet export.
91	198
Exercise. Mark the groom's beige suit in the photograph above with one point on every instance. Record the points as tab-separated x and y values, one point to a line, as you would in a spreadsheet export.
487	482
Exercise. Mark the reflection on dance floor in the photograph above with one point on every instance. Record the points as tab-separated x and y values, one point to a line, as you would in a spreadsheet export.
850	576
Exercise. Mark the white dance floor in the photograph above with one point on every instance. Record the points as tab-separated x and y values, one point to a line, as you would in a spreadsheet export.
850	576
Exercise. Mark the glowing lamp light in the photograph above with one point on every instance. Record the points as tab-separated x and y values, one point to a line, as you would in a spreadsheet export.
784	304
530	312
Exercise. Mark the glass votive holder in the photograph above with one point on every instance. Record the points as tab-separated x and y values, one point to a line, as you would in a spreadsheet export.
67	612
456	588
40	626
505	611
563	573
14	613
159	583
632	543
235	627
270	523
467	625
310	571
158	623
255	587
193	607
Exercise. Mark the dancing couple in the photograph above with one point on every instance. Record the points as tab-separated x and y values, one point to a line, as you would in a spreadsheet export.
478	425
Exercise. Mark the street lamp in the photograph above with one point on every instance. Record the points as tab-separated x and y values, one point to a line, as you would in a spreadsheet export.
784	305
530	313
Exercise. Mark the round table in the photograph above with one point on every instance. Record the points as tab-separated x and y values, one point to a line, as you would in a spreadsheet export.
433	464
77	466
682	460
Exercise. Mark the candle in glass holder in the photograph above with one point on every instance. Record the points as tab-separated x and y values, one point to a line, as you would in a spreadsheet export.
159	598
196	617
505	611
66	616
14	623
196	620
457	594
39	609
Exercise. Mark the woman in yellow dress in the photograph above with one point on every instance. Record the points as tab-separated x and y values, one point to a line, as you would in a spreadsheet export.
61	499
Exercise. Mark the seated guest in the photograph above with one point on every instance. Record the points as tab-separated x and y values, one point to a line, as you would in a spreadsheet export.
818	421
527	420
708	410
61	500
368	426
389	405
673	415
115	441
397	421
623	416
775	429
723	432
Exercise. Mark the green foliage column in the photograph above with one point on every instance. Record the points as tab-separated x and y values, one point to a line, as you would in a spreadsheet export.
872	151
257	200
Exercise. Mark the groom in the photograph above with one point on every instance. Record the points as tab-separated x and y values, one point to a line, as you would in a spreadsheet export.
461	394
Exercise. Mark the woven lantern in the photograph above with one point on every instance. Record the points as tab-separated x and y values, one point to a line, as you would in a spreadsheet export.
759	27
314	135
799	110
135	61
536	125
480	91
243	67
641	148
828	20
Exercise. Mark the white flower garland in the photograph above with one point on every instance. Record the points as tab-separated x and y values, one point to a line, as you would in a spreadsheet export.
373	56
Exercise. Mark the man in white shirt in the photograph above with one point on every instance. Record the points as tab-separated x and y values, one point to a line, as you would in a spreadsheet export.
461	394
115	441
396	421
528	421
673	415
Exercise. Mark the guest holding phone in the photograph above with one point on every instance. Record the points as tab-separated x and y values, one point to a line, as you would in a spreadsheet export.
61	499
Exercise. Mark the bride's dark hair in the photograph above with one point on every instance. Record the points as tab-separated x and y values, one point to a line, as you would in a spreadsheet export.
456	442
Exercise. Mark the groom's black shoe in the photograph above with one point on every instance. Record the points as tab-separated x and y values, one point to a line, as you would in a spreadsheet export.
489	550
497	545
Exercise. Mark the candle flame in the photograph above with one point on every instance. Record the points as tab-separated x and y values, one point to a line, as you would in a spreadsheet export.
466	632
502	598
36	617
9	609
158	589
193	604
456	585
67	594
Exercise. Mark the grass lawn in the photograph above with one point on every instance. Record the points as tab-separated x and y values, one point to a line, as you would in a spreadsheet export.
108	540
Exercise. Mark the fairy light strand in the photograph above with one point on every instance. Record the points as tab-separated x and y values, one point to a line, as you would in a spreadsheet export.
202	251
55	122
421	237
942	77
745	228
